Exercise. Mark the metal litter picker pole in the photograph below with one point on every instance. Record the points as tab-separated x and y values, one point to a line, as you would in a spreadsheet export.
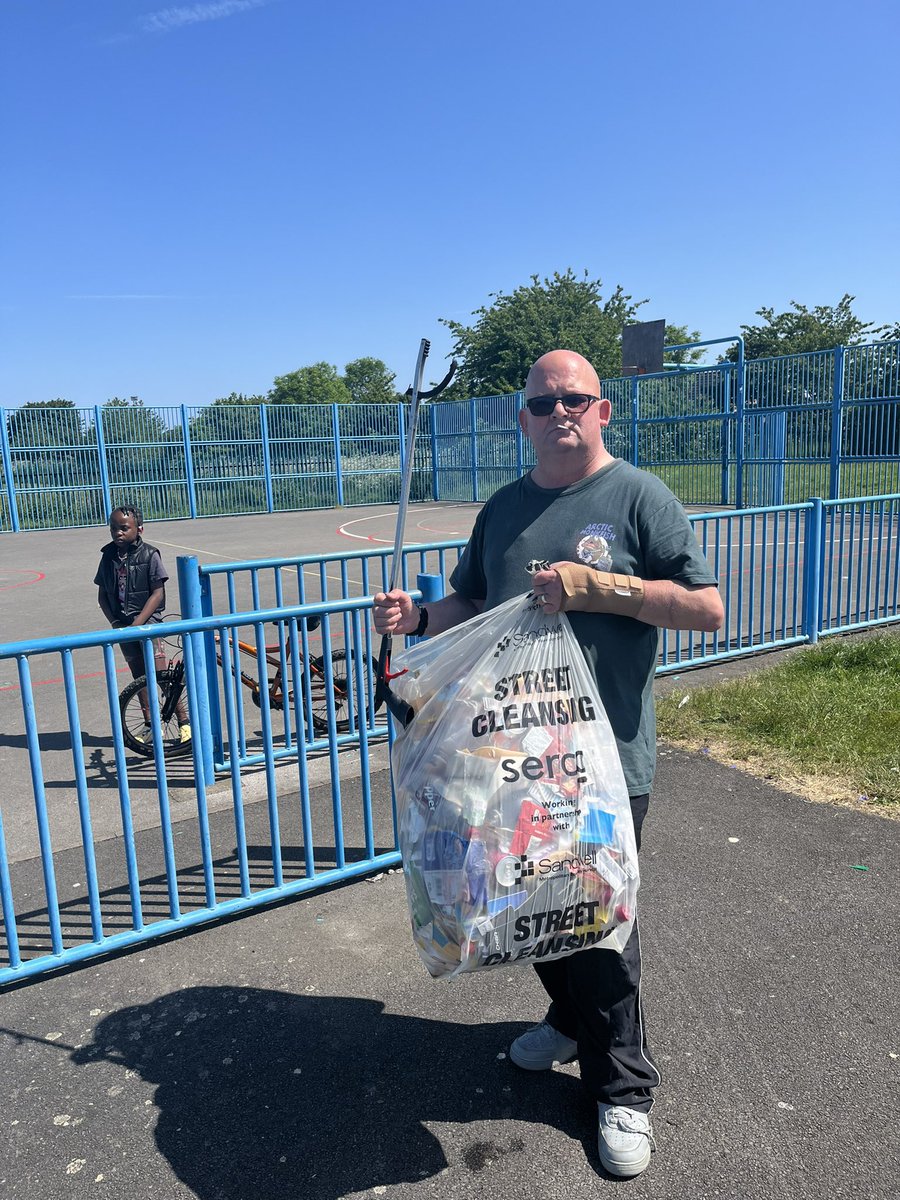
406	480
400	710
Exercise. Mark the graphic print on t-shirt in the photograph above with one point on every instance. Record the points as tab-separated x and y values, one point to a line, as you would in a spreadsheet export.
593	546
121	575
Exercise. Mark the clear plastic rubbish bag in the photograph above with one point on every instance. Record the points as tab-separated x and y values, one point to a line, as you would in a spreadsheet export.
514	820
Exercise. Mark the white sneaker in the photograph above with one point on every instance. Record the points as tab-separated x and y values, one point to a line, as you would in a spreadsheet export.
625	1140
145	735
542	1047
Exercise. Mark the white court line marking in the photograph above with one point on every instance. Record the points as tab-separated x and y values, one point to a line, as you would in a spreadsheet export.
230	558
431	529
194	550
367	537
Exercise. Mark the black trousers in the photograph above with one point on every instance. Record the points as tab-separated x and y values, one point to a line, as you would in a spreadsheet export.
596	1000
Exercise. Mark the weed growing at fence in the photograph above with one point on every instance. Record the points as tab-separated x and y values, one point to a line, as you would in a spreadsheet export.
825	722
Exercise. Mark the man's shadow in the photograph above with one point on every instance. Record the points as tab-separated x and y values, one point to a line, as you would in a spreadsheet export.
322	1096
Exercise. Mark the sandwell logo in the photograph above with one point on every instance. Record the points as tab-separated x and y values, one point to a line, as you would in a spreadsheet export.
575	864
501	646
512	870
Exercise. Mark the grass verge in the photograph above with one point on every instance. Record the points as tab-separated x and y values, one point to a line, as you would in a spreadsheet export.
825	722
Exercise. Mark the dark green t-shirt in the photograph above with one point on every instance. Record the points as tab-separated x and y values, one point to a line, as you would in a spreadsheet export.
619	519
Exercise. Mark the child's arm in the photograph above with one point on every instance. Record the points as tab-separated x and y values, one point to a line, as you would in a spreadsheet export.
154	601
104	605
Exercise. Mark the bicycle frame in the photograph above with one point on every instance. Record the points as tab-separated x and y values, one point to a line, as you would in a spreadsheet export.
309	668
327	688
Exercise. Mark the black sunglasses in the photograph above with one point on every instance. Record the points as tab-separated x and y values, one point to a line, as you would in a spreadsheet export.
575	402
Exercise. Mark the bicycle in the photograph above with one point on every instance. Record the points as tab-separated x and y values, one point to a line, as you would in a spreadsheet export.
171	686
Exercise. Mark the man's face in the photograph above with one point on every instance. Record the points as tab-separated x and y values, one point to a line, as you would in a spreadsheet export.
124	529
562	431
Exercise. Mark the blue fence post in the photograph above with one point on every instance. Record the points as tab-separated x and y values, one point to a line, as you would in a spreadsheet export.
432	430
431	587
726	437
267	464
40	803
188	461
199	704
813	553
338	471
520	439
101	458
209	647
779	453
635	409
473	438
837	423
7	905
8	473
739	430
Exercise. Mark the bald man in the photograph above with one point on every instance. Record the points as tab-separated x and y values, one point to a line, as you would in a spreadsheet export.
612	546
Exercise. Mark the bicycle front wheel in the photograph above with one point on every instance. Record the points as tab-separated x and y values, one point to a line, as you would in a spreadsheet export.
135	732
344	671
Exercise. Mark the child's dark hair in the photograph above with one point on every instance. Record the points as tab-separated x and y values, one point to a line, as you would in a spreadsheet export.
128	510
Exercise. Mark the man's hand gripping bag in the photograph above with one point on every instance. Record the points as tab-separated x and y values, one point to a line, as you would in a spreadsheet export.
515	826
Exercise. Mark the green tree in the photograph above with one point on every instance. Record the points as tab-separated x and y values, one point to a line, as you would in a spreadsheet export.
50	448
131	431
144	457
562	312
225	432
40	423
677	335
319	383
240	398
369	381
802	330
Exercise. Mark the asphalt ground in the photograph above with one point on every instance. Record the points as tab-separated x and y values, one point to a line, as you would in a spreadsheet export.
46	587
304	1052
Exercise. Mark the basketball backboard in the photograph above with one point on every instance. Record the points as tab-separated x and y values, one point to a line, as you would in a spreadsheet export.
642	347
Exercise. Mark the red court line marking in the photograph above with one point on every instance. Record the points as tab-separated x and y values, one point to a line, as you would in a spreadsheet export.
344	530
38	576
15	687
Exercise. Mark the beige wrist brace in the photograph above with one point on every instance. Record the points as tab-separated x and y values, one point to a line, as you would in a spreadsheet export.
587	590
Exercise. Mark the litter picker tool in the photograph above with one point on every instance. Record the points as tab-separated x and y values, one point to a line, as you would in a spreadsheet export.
399	709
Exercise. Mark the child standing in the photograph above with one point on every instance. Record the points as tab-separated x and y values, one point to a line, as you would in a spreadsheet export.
131	590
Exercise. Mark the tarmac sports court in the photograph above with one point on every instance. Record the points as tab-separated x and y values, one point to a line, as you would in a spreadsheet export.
46	590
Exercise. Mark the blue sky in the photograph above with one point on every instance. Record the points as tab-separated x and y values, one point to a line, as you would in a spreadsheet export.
199	197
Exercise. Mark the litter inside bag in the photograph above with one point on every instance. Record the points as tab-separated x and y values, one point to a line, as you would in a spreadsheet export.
515	825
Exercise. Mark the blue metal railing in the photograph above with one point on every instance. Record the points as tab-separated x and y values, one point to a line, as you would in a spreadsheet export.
304	579
242	586
66	939
748	434
788	575
757	555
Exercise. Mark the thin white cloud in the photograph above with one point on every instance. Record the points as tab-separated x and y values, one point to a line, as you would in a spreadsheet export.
166	20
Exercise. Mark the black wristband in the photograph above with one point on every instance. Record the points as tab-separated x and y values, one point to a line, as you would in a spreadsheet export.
423	620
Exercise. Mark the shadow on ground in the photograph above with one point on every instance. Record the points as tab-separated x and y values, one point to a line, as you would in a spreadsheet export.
244	1077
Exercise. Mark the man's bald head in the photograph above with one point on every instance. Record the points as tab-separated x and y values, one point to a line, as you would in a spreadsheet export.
562	371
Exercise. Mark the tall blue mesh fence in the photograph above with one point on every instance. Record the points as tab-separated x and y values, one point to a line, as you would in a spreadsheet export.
825	423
